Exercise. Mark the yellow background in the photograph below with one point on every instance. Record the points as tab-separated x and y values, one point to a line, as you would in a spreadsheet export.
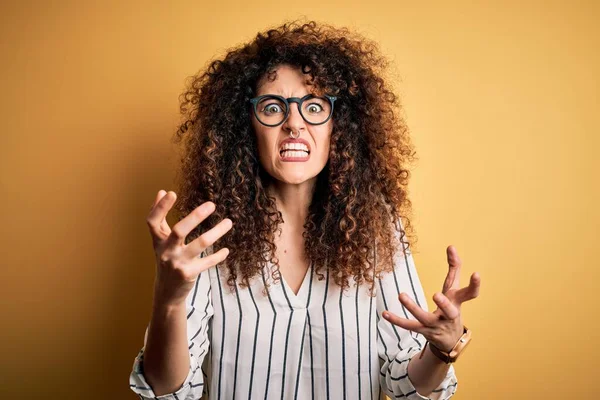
501	98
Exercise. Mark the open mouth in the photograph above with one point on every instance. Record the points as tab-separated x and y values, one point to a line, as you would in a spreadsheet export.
294	150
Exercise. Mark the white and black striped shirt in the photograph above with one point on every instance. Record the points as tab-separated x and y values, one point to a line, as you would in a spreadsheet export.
318	344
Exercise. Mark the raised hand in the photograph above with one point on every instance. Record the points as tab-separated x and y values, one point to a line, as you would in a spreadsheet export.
443	327
177	264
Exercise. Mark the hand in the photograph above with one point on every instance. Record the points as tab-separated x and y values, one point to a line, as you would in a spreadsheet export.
444	327
177	264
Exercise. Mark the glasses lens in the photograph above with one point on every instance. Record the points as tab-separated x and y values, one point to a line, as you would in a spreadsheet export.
270	110
316	109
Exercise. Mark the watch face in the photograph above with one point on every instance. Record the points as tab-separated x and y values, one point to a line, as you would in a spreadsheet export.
463	343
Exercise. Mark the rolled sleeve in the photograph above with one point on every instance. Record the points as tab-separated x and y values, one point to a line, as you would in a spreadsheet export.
402	387
188	390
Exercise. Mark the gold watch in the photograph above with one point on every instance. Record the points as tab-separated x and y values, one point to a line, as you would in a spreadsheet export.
459	347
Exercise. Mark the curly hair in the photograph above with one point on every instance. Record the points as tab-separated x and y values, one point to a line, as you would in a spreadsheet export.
360	199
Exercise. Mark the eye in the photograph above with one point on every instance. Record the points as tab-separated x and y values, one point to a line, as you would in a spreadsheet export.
272	108
314	108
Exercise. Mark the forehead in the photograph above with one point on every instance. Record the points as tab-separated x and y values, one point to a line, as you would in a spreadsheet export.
285	80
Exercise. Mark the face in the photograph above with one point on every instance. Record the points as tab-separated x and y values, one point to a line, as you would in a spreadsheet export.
288	167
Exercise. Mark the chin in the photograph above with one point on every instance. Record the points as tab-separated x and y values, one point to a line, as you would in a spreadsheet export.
295	180
293	173
293	177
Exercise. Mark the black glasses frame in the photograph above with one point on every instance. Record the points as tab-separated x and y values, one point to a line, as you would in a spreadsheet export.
287	102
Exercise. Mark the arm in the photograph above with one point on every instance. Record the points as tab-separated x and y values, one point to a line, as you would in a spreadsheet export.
175	345
427	372
166	358
398	347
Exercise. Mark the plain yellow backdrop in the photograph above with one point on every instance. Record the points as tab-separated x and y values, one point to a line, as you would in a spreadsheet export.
502	99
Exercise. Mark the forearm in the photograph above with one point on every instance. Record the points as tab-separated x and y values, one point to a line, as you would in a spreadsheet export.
427	372
166	355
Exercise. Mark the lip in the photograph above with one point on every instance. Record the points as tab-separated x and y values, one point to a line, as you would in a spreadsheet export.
294	159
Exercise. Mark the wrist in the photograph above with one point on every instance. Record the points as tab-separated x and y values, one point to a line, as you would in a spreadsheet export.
452	355
429	355
164	299
448	348
164	308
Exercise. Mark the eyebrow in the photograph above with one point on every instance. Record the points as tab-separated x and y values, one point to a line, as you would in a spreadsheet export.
282	95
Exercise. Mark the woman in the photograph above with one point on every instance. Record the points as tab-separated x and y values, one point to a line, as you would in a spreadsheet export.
293	186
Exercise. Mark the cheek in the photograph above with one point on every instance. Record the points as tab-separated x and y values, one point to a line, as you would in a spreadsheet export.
323	152
325	145
264	143
267	156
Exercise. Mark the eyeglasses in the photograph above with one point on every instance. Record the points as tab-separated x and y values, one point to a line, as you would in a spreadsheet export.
273	110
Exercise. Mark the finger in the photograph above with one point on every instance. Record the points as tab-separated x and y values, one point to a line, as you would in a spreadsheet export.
470	292
187	224
426	318
446	306
204	263
159	196
207	238
156	220
163	224
409	324
454	264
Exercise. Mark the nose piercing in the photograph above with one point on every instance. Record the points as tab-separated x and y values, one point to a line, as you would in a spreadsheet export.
292	134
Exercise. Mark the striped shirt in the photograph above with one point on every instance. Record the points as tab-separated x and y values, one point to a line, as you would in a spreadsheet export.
317	344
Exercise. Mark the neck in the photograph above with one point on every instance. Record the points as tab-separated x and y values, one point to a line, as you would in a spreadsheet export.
292	200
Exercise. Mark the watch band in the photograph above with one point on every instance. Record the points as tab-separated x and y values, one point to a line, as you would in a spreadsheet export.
452	355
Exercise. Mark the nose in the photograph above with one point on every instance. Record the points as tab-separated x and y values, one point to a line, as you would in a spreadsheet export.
294	119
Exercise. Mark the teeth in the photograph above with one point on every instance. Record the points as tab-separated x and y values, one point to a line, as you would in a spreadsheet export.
294	146
295	154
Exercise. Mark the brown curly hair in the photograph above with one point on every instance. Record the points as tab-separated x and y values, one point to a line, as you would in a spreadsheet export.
361	193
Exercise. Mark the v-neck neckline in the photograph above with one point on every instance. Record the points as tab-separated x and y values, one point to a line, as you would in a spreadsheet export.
298	300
